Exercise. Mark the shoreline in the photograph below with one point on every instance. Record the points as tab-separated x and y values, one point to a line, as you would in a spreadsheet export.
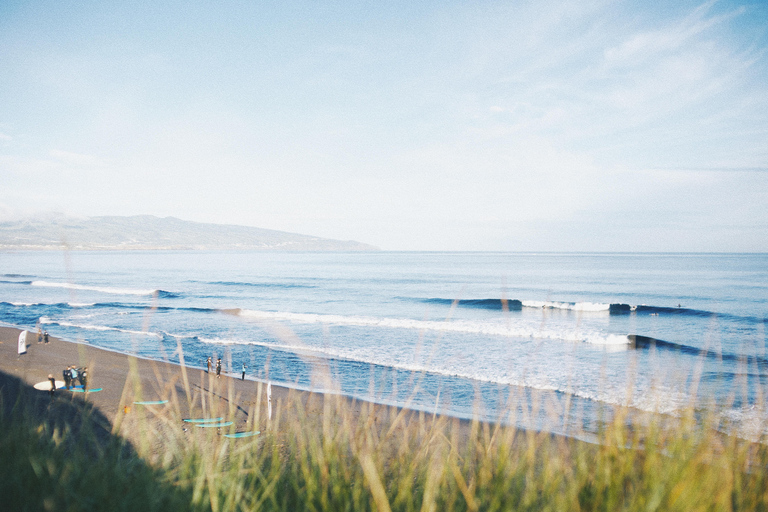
190	389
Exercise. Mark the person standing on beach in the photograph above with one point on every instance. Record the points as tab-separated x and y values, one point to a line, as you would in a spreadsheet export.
218	368
39	334
67	376
244	367
45	336
53	384
210	363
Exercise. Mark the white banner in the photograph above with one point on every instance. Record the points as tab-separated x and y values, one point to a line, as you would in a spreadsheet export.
23	342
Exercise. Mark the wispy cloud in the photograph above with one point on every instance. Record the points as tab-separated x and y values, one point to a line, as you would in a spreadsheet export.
645	45
379	126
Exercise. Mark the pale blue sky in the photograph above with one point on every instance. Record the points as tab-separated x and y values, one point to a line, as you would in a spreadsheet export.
617	126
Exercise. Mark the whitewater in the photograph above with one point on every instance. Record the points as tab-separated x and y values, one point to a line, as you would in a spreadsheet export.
459	333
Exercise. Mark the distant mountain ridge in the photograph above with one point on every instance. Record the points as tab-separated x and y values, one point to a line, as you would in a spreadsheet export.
147	232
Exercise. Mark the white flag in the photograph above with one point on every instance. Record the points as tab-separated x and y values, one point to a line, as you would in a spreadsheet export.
23	342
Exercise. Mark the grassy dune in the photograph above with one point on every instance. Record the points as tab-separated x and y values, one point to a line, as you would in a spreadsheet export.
318	455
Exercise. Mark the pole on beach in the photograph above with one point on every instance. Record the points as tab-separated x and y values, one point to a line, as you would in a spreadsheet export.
269	400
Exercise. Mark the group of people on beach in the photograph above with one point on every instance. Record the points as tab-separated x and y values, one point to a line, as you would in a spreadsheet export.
42	335
209	363
73	374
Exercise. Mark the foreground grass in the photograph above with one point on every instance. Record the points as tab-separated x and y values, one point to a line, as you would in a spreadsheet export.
58	455
321	456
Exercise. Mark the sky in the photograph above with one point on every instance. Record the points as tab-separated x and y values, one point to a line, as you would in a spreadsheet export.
443	126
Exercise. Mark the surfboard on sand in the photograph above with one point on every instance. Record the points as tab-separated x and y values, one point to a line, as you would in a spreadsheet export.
214	425
203	420
46	385
237	435
151	402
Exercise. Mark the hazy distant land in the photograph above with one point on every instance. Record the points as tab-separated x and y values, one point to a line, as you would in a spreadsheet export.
147	232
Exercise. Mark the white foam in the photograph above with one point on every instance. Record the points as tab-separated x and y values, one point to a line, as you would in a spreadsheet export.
469	327
182	336
609	339
570	306
101	289
750	423
666	401
89	327
71	304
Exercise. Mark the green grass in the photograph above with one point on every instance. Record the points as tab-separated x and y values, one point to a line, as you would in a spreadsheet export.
318	455
58	455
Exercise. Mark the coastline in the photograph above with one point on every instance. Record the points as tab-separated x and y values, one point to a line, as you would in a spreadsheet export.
124	379
369	452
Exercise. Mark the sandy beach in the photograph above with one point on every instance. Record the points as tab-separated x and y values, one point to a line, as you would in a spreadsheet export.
369	452
122	381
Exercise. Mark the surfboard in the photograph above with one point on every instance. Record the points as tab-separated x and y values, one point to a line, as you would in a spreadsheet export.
151	402
23	345
215	425
242	434
46	385
203	420
81	390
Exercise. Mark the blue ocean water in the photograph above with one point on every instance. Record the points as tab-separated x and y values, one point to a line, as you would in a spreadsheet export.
461	333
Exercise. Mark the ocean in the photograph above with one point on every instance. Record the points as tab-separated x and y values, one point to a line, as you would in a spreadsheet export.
546	341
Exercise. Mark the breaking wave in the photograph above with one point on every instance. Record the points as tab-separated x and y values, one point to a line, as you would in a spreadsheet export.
675	400
645	342
89	327
615	308
457	326
105	289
